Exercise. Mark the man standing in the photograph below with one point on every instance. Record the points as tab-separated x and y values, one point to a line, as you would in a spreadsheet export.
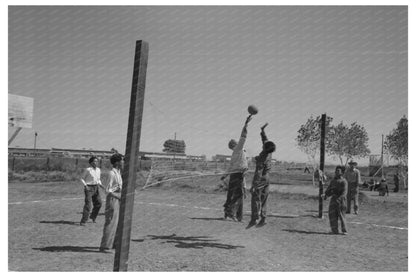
337	189
91	178
260	185
233	207
396	180
113	186
353	177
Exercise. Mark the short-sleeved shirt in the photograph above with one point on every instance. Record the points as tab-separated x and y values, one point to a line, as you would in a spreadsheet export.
91	176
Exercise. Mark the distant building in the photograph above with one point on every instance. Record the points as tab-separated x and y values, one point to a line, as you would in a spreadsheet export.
28	152
161	155
221	158
101	154
80	153
58	152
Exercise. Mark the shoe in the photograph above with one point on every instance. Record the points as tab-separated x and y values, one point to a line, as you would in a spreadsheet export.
82	223
262	222
93	219
233	218
356	212
344	233
251	223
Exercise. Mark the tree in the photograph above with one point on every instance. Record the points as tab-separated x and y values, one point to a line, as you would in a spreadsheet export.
113	150
396	144
347	142
309	139
174	146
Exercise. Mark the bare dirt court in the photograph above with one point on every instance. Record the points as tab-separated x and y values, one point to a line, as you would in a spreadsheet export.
183	230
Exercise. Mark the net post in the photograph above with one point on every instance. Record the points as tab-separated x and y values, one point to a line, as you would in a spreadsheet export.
121	258
322	164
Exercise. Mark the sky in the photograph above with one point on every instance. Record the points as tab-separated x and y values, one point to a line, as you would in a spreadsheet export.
206	65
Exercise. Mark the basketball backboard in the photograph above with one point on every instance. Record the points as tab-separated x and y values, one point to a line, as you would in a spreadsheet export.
20	111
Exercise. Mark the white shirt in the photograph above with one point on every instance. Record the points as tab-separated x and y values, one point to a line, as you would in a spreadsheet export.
238	161
114	181
91	176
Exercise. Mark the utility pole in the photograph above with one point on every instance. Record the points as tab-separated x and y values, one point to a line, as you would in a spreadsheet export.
34	145
322	165
382	155
174	156
121	259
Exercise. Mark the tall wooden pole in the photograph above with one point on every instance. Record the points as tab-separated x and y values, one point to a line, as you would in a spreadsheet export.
121	258
322	164
382	157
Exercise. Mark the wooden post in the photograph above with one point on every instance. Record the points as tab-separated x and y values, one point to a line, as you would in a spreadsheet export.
382	157
121	258
322	164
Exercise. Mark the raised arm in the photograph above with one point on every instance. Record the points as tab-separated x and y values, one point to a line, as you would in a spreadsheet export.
243	136
244	131
263	133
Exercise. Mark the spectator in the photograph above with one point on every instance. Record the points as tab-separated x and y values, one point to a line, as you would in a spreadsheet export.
337	190
353	177
383	188
113	187
91	179
396	180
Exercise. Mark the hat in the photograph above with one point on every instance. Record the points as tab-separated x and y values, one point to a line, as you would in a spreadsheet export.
352	162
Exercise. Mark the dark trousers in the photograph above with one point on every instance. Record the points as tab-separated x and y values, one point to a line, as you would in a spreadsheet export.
336	212
259	202
352	195
92	201
234	204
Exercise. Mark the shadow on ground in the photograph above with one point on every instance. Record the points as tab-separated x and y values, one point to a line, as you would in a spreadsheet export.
197	242
306	232
67	248
60	222
282	216
208	218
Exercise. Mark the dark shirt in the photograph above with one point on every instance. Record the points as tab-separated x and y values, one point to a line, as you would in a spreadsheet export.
263	166
338	187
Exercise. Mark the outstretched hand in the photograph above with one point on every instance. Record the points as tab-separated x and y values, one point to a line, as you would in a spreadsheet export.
264	126
248	119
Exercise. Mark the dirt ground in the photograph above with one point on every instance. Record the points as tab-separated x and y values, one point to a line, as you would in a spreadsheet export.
183	230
